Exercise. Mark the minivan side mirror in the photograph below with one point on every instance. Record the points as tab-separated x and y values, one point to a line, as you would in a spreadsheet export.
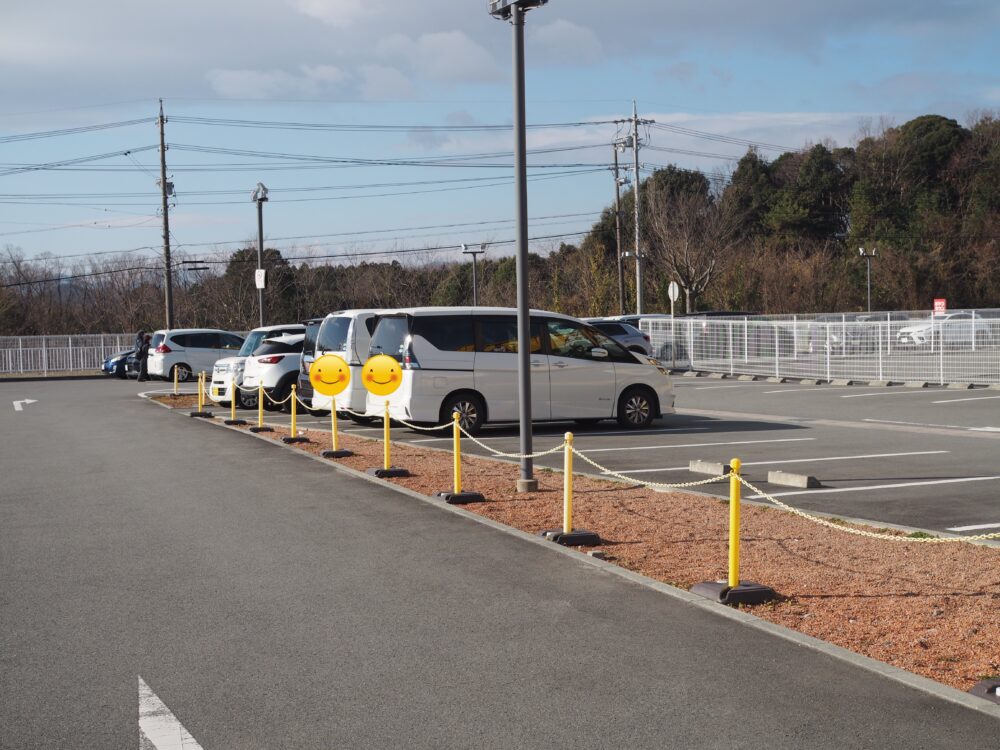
599	353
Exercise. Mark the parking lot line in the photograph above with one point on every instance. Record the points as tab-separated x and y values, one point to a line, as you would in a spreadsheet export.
833	490
800	390
803	460
962	427
580	434
717	387
978	527
696	445
958	400
883	392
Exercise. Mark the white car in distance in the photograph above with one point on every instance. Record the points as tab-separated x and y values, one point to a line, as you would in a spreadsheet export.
275	366
182	352
229	370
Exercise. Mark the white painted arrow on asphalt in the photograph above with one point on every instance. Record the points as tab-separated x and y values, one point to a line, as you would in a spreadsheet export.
158	728
19	405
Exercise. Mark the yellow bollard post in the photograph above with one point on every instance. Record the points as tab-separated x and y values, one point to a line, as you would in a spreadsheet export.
567	535
734	523
232	406
293	436
176	391
235	394
457	450
201	398
457	496
568	485
334	438
260	411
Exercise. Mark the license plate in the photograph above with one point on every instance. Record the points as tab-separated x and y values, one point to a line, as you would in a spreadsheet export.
215	392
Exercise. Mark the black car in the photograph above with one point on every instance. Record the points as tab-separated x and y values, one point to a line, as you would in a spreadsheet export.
115	365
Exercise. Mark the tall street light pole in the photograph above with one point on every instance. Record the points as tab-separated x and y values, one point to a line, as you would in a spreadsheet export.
619	181
260	197
166	190
514	10
868	261
475	274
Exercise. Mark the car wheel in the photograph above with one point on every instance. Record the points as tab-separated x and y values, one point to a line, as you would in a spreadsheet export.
120	372
470	408
182	372
246	399
636	408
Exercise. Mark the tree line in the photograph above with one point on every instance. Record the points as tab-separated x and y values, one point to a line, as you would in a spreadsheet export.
779	236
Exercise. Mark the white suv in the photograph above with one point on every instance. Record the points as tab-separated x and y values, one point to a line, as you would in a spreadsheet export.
189	350
348	334
229	370
275	365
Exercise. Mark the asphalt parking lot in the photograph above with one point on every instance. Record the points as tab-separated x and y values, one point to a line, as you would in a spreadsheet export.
924	458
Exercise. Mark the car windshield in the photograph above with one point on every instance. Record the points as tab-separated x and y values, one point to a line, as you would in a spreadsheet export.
333	335
251	342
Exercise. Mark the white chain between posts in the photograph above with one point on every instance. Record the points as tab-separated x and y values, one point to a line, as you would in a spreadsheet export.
625	477
862	532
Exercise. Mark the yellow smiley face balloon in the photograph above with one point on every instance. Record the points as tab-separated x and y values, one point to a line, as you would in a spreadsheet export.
381	375
329	375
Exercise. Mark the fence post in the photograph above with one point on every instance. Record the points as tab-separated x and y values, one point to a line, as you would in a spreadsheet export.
940	354
828	350
45	359
777	352
69	346
690	338
746	341
732	356
795	337
879	329
20	354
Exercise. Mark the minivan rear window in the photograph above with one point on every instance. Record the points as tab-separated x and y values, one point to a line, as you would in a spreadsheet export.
390	337
449	333
277	347
333	335
312	330
156	340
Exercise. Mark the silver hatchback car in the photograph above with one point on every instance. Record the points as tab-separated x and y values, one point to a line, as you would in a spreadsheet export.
624	333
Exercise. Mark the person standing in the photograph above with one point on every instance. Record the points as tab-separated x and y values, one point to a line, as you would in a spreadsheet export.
142	356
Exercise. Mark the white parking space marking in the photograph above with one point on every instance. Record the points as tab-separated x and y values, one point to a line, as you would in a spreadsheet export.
979	527
959	400
916	392
159	726
918	424
800	390
782	462
695	445
833	490
717	387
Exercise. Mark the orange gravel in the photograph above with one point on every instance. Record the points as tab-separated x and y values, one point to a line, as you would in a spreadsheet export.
932	609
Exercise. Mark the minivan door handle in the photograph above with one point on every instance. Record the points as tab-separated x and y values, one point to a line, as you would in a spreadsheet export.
559	364
535	363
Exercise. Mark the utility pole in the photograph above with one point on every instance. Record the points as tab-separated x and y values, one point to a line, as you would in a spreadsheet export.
868	260
475	274
618	231
166	190
260	197
635	173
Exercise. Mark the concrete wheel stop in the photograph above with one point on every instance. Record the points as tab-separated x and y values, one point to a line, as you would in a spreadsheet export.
988	689
574	538
336	454
461	498
747	592
391	473
202	414
290	439
261	429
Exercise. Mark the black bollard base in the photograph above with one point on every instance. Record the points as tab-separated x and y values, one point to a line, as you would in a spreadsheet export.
261	429
747	592
389	473
337	454
202	414
461	498
290	439
235	421
574	538
988	689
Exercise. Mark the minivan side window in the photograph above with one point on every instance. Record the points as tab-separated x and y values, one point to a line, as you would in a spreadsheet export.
570	339
449	333
204	340
499	335
390	337
231	341
182	340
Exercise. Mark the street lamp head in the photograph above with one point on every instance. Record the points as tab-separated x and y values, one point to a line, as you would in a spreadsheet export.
464	247
861	252
259	194
503	9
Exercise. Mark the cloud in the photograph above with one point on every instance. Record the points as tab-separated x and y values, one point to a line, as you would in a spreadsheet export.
310	81
683	72
448	56
383	83
566	43
338	13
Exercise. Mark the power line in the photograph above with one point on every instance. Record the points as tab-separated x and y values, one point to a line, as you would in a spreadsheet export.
73	131
373	128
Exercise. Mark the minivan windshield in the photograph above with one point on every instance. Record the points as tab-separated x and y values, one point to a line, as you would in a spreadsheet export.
390	337
251	342
333	335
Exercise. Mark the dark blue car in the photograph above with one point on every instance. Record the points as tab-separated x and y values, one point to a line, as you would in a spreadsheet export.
114	366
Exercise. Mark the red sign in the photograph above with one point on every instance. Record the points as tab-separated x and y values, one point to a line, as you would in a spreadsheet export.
940	305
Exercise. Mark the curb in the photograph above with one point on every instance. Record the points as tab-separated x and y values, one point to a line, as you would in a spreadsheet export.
915	681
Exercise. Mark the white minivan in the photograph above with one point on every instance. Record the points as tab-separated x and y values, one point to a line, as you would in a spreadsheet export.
189	350
348	334
464	359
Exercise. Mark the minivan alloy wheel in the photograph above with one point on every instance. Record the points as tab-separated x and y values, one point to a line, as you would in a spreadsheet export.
635	409
471	413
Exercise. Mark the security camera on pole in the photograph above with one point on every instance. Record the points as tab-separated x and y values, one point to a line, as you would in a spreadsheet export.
259	196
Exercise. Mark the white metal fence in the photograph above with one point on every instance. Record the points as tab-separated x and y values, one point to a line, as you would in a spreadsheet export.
961	346
52	354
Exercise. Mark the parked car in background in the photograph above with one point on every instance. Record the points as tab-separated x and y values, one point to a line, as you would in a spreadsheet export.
624	333
461	359
275	365
347	334
227	373
303	386
954	329
189	350
114	366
